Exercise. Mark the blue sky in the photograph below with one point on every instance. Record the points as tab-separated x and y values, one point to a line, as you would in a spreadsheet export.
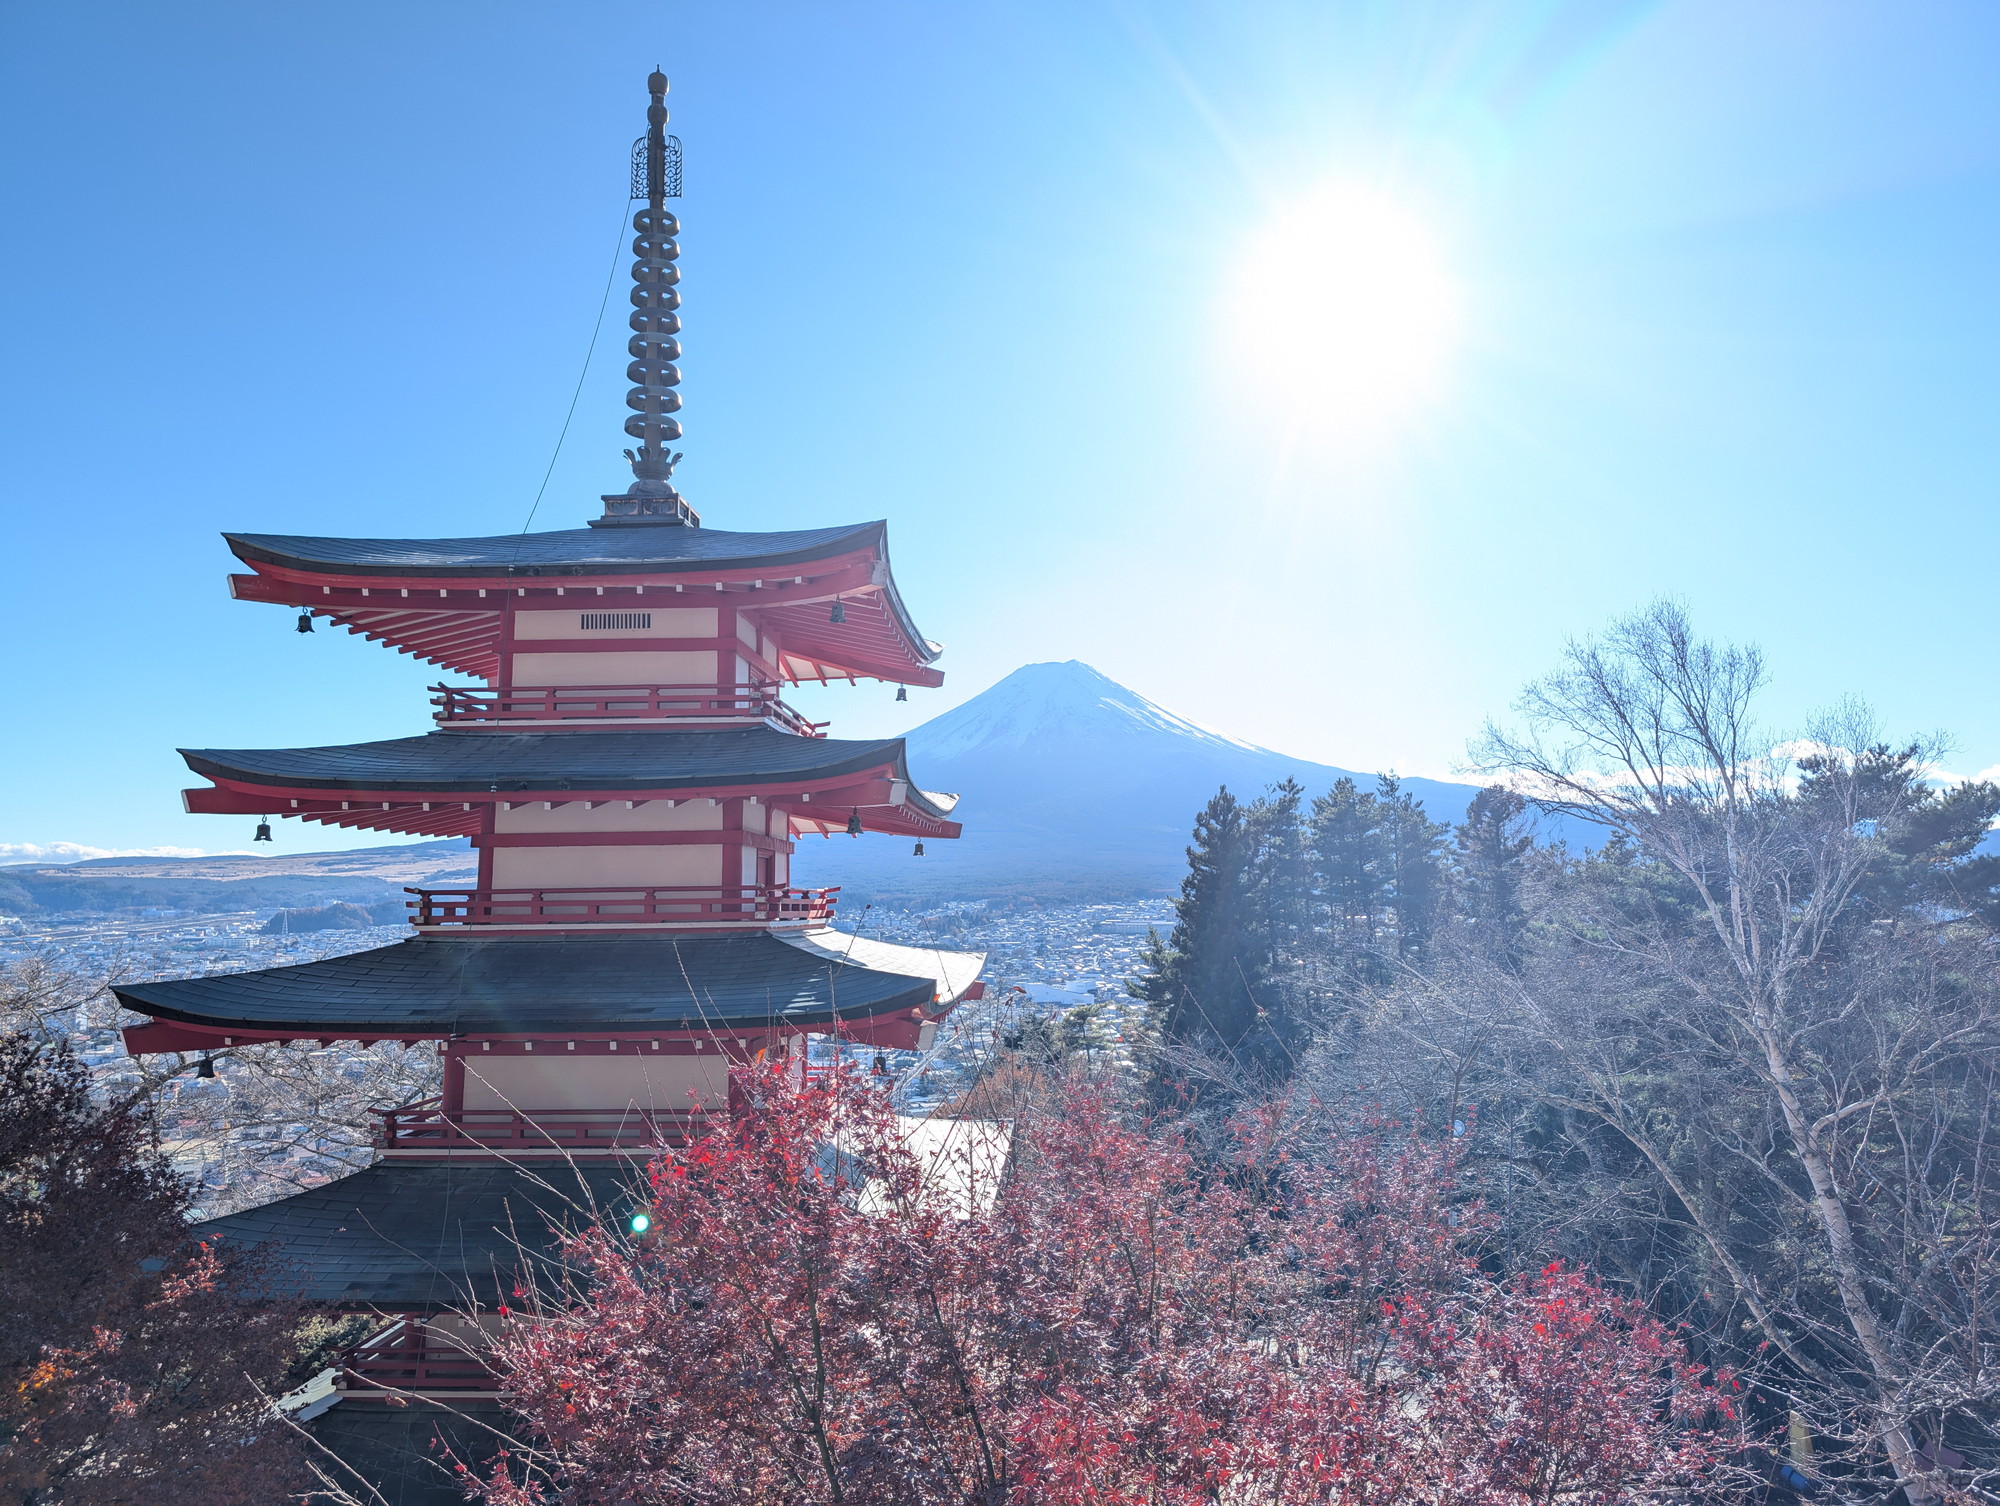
1722	325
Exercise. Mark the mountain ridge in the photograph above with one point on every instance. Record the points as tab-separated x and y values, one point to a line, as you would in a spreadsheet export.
1072	782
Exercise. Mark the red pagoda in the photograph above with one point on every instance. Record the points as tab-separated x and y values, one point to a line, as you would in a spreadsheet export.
633	783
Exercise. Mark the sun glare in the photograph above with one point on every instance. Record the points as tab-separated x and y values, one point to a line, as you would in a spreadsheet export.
1343	311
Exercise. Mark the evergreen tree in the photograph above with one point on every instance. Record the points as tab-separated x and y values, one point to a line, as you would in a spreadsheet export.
1491	847
1925	838
1244	917
1413	862
1279	887
1203	978
1278	923
1349	856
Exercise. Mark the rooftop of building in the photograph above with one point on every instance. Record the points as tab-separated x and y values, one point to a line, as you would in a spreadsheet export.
434	986
585	551
424	1236
485	761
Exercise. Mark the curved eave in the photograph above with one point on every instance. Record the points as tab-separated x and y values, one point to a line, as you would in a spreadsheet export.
422	989
598	554
362	788
251	1025
434	599
499	763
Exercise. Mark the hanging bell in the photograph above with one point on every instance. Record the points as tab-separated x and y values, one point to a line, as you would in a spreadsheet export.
205	1067
305	620
854	823
839	612
902	692
918	851
263	830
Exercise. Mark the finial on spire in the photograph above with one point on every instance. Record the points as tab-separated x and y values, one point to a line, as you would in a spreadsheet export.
656	177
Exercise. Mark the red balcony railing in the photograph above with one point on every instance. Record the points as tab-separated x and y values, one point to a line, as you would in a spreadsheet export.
427	1126
611	904
407	1357
476	705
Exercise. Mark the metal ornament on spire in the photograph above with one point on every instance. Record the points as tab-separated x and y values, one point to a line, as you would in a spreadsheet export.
655	323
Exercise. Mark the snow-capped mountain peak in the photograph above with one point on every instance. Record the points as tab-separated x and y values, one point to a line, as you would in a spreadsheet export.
1040	705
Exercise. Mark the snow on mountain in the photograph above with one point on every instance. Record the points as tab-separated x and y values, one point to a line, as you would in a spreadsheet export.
1066	701
1070	782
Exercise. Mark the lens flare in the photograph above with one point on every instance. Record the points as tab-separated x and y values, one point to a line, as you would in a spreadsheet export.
1342	311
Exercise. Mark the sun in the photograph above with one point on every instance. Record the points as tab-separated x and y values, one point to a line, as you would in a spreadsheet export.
1342	311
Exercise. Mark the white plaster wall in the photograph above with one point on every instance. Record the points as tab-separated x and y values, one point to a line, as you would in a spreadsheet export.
662	667
573	867
555	1079
668	622
648	815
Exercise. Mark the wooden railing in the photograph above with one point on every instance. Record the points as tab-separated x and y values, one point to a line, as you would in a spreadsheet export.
426	1125
611	904
476	704
406	1358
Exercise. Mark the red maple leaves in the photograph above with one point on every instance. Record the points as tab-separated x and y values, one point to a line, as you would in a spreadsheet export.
808	1321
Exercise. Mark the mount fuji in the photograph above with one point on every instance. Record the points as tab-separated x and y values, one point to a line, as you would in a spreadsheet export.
1071	786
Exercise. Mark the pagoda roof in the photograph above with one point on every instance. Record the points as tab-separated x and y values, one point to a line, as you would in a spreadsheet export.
425	1236
668	758
430	597
554	765
409	1453
583	551
434	986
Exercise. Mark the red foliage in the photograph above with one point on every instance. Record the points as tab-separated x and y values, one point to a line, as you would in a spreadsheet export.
804	1324
130	1353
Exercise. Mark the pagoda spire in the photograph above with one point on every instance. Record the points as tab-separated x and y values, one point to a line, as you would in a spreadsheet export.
655	322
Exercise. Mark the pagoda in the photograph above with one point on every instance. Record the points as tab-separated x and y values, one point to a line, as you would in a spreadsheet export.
633	783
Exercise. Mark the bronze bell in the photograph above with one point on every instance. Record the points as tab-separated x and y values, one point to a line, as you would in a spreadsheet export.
305	620
902	692
839	612
263	830
919	850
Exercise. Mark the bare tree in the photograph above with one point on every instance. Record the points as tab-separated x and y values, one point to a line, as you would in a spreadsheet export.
264	1121
1729	1019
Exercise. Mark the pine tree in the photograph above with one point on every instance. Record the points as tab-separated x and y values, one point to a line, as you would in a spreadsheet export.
1413	857
1348	854
1245	917
1491	847
1204	977
1278	923
1279	889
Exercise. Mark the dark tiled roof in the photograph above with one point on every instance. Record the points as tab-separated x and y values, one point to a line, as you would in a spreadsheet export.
591	551
480	761
530	984
396	1449
425	1236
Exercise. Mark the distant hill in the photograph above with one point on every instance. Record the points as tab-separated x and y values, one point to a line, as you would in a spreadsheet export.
450	856
1071	784
368	876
